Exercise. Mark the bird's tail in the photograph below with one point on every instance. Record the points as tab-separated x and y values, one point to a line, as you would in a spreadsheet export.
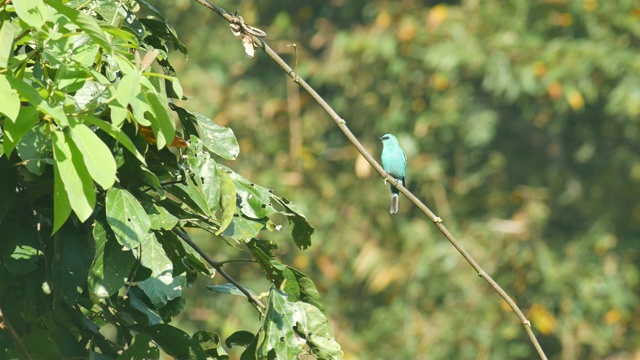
395	198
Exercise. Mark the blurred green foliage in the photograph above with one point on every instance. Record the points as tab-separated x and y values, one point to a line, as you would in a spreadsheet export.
520	122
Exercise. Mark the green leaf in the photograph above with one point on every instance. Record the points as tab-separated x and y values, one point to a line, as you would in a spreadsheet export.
160	217
110	271
278	328
140	349
211	344
121	33
118	113
308	291
218	139
35	149
70	78
41	344
192	196
301	230
15	130
175	342
227	201
61	205
127	218
239	338
32	12
84	22
161	28
32	96
162	286
177	88
7	34
21	255
318	334
162	124
229	288
96	155
128	88
141	305
117	134
74	175
255	200
243	229
9	101
183	257
73	254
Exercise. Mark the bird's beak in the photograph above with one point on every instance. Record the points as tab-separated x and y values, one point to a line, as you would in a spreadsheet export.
380	138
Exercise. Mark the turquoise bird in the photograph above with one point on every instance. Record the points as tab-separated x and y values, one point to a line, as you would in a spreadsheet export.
394	162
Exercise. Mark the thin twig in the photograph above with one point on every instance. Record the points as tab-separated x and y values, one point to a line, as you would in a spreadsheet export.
356	143
218	266
4	322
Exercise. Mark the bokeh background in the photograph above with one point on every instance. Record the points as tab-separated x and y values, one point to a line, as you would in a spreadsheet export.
520	120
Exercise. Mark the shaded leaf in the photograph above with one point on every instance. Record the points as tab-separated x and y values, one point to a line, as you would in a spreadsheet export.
301	230
141	348
35	149
211	344
15	130
73	254
112	269
239	338
127	218
176	342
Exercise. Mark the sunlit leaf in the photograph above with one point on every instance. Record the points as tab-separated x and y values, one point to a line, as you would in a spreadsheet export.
10	100
32	12
7	33
281	318
117	134
84	22
162	124
162	286
96	155
74	175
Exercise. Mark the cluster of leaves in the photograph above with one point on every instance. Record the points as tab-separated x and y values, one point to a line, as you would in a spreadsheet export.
98	183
